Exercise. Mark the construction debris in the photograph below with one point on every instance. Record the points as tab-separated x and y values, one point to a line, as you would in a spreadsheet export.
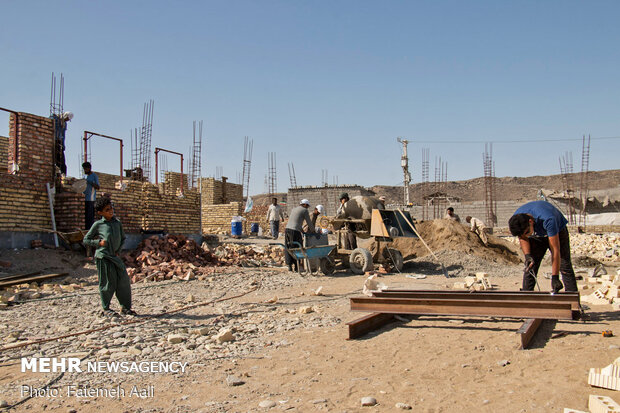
478	283
607	377
608	293
605	247
176	256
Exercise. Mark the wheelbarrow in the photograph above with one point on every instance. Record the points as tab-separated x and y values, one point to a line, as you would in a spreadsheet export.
305	254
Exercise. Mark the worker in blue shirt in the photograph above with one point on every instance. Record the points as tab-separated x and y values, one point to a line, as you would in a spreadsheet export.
540	227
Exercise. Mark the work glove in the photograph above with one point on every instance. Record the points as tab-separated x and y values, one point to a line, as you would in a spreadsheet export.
529	262
556	284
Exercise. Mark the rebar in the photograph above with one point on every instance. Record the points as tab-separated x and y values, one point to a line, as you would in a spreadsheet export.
247	163
583	185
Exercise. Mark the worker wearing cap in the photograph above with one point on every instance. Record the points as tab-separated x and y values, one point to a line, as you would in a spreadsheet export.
540	227
350	241
294	228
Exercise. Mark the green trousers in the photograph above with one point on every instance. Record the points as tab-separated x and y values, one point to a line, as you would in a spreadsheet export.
113	279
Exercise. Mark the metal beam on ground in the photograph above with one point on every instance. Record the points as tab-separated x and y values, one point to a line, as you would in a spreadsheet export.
368	323
517	308
527	331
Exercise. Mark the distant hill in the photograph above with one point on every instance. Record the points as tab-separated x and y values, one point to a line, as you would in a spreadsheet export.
506	188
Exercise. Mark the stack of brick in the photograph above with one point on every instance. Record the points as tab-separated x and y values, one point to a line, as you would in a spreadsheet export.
258	214
23	196
607	288
158	259
478	283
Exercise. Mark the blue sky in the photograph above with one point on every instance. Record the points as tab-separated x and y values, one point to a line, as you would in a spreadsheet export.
326	85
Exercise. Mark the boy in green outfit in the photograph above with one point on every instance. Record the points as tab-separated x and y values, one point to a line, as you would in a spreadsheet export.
107	235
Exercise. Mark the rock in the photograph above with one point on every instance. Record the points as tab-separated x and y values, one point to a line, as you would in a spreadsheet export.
305	310
403	406
369	401
134	351
267	404
272	300
4	403
234	381
175	338
225	335
503	363
190	298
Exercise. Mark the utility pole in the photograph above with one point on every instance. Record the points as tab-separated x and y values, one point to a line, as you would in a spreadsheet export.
404	162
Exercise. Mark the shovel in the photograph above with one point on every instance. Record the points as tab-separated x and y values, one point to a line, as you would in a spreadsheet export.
443	268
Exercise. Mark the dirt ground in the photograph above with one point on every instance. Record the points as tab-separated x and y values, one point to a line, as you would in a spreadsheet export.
297	361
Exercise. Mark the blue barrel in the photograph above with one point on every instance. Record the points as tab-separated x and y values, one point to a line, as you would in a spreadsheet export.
254	227
236	228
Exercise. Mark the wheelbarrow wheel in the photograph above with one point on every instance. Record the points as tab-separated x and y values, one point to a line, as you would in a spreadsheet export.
327	266
395	258
360	261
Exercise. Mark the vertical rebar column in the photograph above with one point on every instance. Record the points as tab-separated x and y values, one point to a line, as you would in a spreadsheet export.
566	169
247	163
273	179
583	185
490	204
404	163
146	133
425	192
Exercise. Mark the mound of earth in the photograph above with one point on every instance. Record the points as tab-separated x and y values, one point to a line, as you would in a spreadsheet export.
444	234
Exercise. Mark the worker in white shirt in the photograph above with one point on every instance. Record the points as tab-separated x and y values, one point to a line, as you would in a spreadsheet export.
478	227
274	213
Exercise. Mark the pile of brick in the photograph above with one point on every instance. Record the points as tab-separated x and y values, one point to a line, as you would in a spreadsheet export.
158	259
605	247
478	283
250	255
607	288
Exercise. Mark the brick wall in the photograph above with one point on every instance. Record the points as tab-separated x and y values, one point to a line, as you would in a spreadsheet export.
172	182
216	218
324	195
4	154
23	196
215	192
140	206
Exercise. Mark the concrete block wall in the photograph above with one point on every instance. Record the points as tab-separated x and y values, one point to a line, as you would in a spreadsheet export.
505	209
23	195
324	195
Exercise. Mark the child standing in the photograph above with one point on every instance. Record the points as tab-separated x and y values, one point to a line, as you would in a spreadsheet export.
107	235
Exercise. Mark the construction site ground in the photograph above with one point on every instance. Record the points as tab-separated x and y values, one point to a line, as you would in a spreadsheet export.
277	346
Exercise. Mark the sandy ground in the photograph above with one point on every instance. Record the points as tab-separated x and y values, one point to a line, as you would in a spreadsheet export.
433	364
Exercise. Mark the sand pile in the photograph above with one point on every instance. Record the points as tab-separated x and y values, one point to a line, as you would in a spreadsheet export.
444	234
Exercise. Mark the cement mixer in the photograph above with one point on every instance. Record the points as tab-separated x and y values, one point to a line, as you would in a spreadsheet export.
367	217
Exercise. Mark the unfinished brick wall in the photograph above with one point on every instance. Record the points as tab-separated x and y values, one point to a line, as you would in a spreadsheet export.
216	218
140	206
220	201
172	182
216	192
4	154
23	196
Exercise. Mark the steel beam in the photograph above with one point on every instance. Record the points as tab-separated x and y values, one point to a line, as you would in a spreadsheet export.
572	298
527	331
368	323
517	308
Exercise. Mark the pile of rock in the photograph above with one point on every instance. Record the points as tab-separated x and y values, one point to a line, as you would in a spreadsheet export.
158	259
605	247
249	255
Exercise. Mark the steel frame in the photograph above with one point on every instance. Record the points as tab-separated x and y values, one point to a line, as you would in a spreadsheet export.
533	306
88	135
157	150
